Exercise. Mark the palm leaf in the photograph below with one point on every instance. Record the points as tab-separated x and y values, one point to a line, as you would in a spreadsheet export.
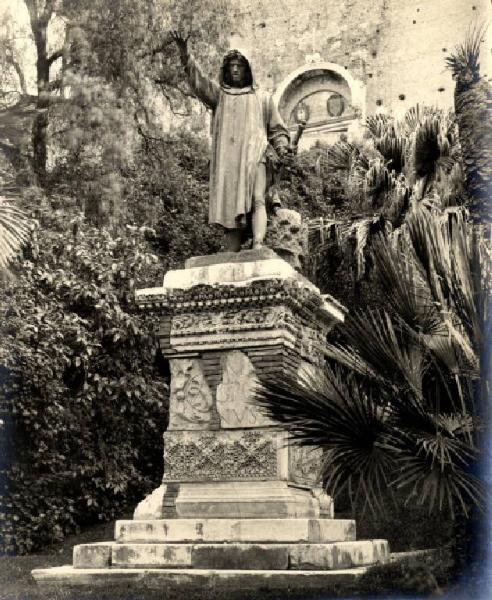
387	349
442	248
464	61
393	148
342	156
333	413
14	231
377	125
406	290
436	465
427	150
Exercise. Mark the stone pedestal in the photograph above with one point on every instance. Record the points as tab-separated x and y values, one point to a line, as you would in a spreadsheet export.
235	496
227	323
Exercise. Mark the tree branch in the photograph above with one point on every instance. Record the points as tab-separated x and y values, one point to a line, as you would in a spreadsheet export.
49	7
55	56
20	73
170	101
164	83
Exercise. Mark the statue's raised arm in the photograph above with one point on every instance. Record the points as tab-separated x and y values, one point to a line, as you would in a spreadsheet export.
202	86
249	139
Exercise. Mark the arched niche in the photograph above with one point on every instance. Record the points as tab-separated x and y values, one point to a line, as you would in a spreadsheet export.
327	96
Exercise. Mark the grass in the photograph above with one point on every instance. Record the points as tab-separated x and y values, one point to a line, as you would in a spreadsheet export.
16	582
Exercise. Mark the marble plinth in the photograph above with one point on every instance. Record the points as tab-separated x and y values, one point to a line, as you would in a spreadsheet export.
195	583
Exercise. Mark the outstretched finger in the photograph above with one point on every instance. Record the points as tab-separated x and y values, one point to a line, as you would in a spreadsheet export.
176	35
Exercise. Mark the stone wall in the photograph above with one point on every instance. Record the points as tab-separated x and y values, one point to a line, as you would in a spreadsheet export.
395	48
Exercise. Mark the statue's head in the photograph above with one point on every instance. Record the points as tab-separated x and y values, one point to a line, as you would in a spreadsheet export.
236	71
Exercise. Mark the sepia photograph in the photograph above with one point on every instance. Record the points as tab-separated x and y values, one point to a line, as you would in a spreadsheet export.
245	299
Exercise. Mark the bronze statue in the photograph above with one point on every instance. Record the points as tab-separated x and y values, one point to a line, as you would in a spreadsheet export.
248	139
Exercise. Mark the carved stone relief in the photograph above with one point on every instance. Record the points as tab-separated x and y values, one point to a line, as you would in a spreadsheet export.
305	464
220	455
309	344
191	401
208	322
235	393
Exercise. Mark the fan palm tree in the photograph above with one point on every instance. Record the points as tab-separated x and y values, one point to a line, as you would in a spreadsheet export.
405	162
401	403
14	232
395	406
473	102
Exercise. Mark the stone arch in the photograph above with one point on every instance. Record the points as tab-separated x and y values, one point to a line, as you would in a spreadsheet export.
318	80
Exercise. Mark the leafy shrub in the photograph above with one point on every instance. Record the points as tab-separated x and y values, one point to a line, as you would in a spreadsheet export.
419	576
83	394
407	526
168	188
313	193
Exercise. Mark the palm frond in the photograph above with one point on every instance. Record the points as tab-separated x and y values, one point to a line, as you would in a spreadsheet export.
377	125
333	413
464	61
442	247
387	349
413	118
406	290
427	150
14	231
393	148
450	186
436	465
342	156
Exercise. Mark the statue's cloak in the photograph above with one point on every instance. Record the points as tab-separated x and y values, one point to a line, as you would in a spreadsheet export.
244	121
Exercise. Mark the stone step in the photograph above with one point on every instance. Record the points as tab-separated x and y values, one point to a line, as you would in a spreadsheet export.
196	583
235	530
341	555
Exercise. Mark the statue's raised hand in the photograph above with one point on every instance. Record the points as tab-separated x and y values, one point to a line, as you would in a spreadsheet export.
181	43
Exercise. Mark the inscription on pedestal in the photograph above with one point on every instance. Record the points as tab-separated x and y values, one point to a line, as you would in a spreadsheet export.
236	391
220	455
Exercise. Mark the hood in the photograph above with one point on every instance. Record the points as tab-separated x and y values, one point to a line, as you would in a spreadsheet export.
223	76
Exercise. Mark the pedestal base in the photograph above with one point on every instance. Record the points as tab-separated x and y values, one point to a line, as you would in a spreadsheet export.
228	531
235	500
198	583
239	508
248	556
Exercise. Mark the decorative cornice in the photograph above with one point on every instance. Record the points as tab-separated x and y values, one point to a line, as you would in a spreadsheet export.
296	292
206	297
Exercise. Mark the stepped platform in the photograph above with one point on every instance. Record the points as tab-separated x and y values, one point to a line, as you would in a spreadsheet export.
197	583
239	507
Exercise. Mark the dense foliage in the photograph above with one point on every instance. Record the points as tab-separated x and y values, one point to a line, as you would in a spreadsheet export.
398	164
84	393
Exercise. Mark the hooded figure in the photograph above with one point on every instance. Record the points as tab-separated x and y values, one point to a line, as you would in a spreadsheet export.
246	131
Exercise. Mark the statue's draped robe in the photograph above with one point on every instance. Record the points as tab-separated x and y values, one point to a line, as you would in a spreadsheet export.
244	121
